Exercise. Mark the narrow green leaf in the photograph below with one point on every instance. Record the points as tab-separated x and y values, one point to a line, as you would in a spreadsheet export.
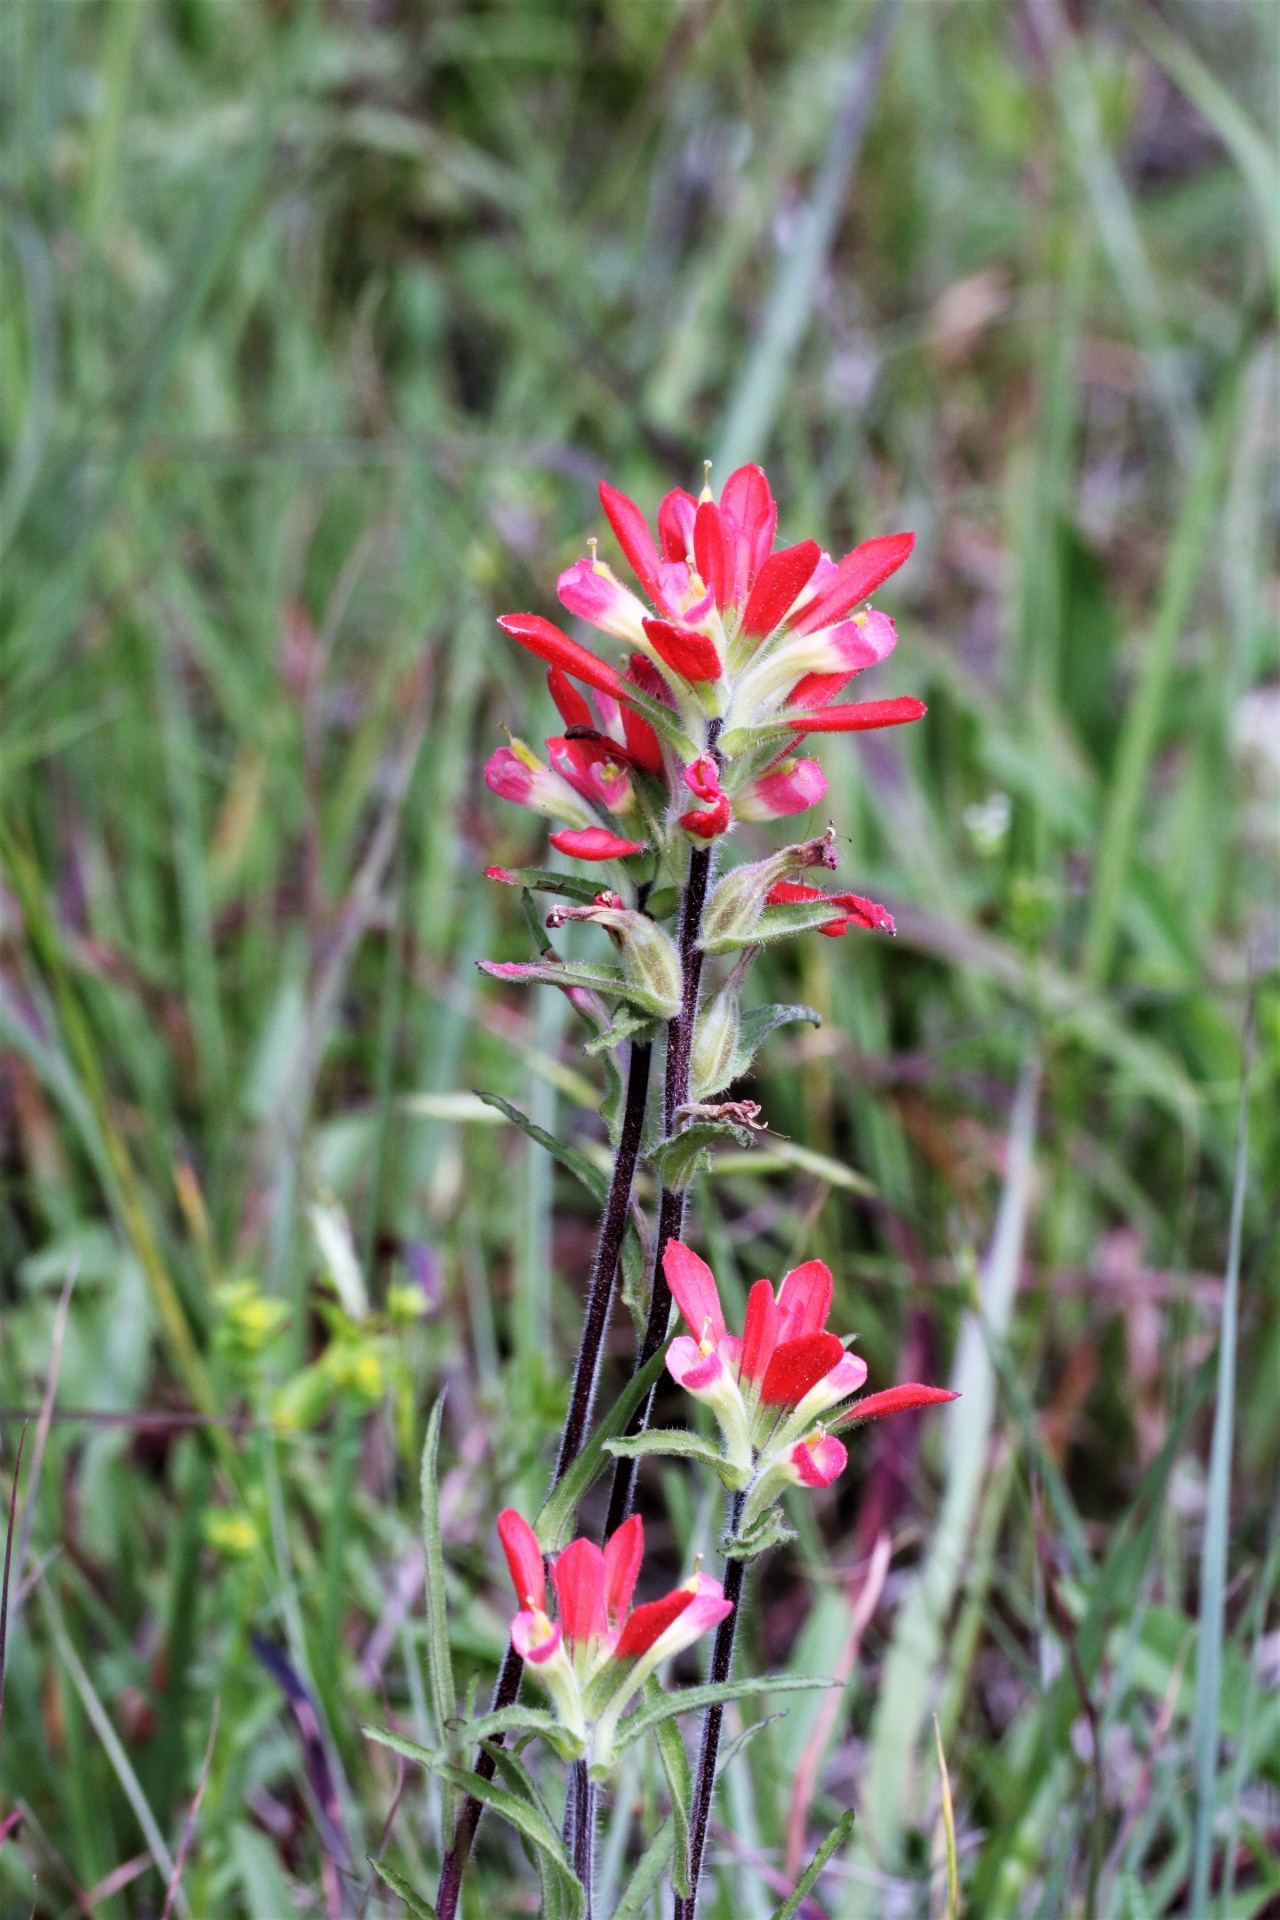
417	1906
593	1178
694	1699
546	880
511	1807
809	1879
756	1024
562	1893
473	1732
648	1872
554	1525
675	1764
557	973
948	1828
669	1440
444	1694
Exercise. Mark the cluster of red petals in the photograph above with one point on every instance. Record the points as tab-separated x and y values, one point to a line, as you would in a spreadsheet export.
785	1350
856	912
731	546
593	1588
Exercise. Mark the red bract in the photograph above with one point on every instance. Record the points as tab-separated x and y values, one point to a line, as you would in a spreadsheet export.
781	581
593	843
856	912
864	717
692	655
857	575
547	641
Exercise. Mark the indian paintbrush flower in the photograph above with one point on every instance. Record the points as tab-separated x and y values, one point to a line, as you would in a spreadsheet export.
594	1657
770	1388
729	634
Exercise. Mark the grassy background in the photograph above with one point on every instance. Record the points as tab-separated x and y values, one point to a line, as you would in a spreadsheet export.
320	324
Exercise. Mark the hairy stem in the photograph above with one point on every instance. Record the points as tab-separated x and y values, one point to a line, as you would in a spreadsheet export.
599	1300
464	1830
582	1838
671	1205
721	1662
608	1251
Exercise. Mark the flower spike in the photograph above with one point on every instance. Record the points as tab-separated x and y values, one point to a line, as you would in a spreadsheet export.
769	1389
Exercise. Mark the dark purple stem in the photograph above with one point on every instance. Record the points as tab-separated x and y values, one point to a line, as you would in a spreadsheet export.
599	1300
582	1796
721	1663
671	1206
608	1250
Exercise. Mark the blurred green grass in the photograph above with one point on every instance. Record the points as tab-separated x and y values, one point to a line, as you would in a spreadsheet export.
320	324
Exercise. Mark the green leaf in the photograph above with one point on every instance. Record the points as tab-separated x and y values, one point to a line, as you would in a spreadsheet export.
593	1178
675	1764
626	1024
757	1023
635	1272
648	1872
554	1525
674	1441
662	903
559	973
444	1694
770	1530
532	1720
546	880
777	923
809	1878
562	1893
563	1897
695	1699
417	1906
679	1158
538	936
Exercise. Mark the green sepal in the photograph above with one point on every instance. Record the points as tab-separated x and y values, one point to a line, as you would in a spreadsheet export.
664	722
681	1156
770	1530
778	923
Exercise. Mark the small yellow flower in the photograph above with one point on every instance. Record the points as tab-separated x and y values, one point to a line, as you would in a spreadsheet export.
231	1533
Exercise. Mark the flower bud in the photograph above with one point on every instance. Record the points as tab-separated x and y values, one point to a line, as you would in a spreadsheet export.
650	961
715	1040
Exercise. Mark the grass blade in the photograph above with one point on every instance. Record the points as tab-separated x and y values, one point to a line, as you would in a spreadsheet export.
1213	1562
809	1879
444	1694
